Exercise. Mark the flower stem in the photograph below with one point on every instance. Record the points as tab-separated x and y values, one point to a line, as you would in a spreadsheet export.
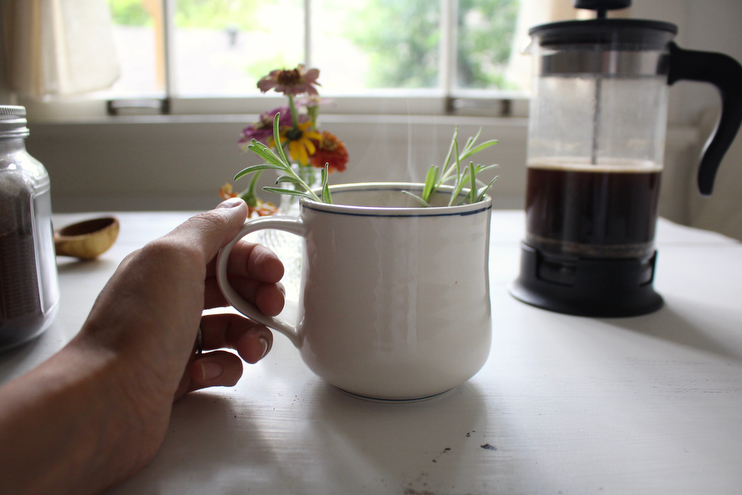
313	110
248	195
292	108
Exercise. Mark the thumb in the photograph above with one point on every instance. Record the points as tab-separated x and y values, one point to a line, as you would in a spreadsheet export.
214	229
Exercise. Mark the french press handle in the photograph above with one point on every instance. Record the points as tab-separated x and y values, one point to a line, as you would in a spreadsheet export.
725	73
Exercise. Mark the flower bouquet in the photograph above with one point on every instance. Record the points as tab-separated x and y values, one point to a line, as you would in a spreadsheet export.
311	152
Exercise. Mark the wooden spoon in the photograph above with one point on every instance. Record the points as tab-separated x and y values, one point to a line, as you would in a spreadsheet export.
87	240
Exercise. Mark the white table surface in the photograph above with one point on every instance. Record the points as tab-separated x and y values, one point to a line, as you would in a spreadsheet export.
649	404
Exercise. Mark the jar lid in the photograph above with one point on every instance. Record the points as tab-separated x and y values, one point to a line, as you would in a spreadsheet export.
13	121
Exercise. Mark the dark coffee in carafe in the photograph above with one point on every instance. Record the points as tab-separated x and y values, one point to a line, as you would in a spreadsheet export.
592	211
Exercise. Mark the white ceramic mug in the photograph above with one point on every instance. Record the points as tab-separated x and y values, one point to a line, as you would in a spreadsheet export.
394	299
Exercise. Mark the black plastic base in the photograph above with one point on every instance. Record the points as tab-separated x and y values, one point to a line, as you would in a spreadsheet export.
607	288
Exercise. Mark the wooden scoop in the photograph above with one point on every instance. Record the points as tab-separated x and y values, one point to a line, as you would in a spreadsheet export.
87	240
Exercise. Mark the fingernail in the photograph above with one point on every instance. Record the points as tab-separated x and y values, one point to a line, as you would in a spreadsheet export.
230	203
211	371
264	343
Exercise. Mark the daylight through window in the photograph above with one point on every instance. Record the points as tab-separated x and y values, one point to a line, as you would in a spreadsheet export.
220	48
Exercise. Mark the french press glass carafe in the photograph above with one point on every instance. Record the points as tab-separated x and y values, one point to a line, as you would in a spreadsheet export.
595	156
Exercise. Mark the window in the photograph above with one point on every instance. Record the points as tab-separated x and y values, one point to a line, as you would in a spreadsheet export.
209	54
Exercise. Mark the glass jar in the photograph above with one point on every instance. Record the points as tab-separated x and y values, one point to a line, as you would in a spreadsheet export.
29	289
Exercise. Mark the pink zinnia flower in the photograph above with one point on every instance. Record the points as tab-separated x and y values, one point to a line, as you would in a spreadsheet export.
291	82
263	128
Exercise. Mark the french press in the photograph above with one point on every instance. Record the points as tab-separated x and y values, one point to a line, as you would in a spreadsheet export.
596	141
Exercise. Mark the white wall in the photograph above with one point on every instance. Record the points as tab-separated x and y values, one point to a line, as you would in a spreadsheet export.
180	163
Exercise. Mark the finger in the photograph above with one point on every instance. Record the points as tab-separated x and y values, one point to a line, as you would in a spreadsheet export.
212	230
251	340
215	369
269	298
253	346
256	261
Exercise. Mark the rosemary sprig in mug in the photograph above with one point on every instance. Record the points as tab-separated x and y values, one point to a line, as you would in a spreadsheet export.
452	171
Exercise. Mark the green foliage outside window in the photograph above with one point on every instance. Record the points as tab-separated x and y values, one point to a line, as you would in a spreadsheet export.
129	13
402	41
218	14
485	38
202	14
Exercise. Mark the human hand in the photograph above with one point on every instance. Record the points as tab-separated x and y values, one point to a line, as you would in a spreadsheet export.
149	313
97	411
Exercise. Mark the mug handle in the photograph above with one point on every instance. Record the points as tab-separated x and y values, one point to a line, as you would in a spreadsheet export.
286	224
725	73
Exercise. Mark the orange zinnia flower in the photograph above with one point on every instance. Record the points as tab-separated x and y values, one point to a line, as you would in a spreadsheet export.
262	208
225	192
330	150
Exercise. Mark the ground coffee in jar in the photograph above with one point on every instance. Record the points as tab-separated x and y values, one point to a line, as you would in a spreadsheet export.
29	291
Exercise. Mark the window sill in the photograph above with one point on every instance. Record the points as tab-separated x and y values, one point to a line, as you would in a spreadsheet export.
465	104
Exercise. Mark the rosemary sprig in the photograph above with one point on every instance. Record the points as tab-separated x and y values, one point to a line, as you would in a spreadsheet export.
452	170
279	161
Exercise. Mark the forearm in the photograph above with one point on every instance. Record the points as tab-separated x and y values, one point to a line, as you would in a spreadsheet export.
66	426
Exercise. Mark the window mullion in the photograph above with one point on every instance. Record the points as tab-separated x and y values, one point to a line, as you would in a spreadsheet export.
308	33
448	45
168	7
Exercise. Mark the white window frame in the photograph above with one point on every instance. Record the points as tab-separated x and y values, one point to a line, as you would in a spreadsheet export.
443	100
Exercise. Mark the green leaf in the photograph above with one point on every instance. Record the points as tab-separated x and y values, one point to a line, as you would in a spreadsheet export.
266	154
457	189
483	190
446	163
473	188
288	178
481	168
454	167
430	183
255	168
277	138
479	148
470	142
290	192
421	200
457	163
326	197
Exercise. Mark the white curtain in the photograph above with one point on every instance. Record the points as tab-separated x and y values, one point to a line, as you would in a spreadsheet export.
57	48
